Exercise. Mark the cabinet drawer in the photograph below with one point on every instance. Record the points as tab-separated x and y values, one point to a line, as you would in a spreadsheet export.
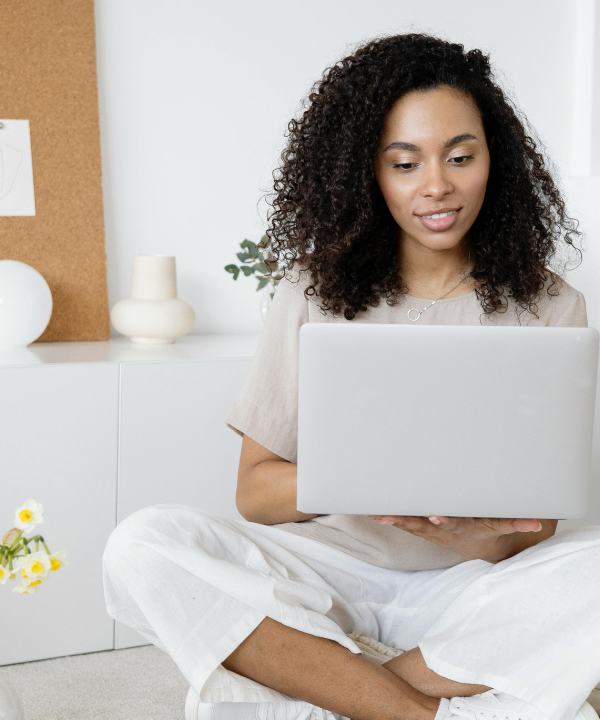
58	445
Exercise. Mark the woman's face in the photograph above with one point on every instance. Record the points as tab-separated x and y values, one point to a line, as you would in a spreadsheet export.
433	157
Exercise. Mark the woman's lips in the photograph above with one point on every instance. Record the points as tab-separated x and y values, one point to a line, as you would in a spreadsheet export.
439	224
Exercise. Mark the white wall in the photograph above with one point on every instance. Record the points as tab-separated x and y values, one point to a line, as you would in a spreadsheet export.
195	98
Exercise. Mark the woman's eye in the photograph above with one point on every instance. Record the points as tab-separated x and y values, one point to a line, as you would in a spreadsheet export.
462	158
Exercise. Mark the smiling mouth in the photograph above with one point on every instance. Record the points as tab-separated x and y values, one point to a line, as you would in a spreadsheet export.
436	216
439	222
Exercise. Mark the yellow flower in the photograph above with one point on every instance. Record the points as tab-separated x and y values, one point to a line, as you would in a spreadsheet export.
5	574
30	514
35	565
58	559
28	586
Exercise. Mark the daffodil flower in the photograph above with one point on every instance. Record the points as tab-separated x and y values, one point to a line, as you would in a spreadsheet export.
28	586
58	559
30	514
17	558
34	566
5	574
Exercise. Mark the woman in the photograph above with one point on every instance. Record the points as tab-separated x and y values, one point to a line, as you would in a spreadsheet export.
490	618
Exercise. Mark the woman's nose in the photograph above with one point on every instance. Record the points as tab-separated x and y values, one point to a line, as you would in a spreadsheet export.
436	182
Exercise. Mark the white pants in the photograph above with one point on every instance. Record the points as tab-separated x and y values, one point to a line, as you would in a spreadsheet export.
196	585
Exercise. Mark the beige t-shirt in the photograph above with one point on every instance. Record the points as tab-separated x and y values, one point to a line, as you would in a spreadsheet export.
267	407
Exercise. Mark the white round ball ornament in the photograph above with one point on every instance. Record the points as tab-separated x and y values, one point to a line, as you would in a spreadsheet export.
25	304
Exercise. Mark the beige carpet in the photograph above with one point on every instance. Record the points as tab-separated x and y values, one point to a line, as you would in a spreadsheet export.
135	684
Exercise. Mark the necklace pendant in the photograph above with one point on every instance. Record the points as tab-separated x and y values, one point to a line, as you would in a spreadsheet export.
414	318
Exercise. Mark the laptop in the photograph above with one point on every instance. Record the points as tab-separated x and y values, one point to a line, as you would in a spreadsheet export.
453	420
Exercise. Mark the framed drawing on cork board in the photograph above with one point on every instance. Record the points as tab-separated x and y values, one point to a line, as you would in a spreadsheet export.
55	224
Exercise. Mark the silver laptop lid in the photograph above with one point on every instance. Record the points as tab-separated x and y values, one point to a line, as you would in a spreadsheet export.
451	420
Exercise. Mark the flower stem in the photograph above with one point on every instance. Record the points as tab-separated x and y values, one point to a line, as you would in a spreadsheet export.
44	544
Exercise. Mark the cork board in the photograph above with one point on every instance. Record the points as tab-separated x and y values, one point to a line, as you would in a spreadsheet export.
48	76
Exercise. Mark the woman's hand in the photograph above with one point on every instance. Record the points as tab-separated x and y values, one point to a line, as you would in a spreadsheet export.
491	539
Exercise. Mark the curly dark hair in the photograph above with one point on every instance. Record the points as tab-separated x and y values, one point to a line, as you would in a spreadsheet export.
330	216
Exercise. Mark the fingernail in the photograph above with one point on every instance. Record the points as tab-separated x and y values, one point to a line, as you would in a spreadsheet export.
386	522
435	520
539	527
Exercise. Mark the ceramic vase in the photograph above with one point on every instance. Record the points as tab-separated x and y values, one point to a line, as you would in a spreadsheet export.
153	314
11	707
25	304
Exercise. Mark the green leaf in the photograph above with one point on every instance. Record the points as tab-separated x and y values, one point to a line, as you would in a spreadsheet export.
261	284
243	257
250	248
234	269
247	270
261	267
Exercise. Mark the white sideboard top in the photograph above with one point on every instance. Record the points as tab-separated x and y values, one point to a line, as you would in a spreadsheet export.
122	350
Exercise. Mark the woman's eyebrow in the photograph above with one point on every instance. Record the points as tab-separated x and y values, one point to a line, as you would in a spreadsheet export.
400	145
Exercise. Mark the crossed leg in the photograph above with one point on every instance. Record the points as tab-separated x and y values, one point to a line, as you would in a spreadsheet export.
322	672
411	667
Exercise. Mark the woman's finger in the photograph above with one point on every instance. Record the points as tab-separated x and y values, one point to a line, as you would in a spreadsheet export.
407	522
451	524
526	525
505	526
497	526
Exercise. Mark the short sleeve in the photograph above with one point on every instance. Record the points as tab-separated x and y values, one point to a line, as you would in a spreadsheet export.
574	312
267	407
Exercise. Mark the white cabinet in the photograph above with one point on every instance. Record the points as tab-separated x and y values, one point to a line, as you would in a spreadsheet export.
95	431
174	444
58	445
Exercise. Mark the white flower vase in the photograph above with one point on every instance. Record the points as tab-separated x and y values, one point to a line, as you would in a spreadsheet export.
153	314
11	707
265	301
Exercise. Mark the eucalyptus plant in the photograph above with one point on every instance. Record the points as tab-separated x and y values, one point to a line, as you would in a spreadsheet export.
254	263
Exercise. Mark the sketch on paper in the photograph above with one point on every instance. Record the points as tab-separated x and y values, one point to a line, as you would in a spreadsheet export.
16	169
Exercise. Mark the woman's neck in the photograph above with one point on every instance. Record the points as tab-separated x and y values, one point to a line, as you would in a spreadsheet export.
433	285
430	273
433	290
